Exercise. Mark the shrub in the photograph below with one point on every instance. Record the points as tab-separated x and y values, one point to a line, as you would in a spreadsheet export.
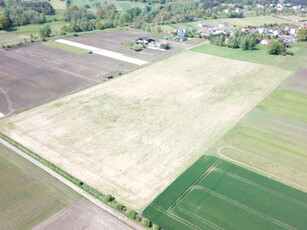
131	214
45	32
109	198
146	223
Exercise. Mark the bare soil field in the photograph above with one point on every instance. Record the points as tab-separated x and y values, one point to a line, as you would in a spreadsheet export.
33	74
112	40
132	136
81	215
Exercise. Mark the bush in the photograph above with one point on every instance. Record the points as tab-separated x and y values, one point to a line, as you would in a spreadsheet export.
146	223
45	32
109	198
131	214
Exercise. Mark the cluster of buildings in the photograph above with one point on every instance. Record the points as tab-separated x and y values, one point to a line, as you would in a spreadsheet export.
236	10
283	6
287	33
152	43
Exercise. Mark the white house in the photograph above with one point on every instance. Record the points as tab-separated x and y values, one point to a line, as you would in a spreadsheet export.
239	11
264	41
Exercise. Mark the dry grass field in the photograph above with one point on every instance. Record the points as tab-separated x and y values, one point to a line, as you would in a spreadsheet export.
134	135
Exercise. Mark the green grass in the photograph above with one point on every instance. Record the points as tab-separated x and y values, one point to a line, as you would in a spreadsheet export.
34	29
223	197
28	195
259	55
61	46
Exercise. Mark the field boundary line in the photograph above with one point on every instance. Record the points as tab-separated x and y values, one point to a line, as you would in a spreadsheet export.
219	152
236	203
190	188
203	220
235	176
74	187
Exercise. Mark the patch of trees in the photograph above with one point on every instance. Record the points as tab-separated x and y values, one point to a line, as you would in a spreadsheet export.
20	15
278	47
302	34
238	40
40	7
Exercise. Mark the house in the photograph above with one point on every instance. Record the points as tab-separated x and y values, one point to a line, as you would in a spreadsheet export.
293	31
144	40
238	10
223	24
277	32
228	11
260	6
263	31
181	34
264	41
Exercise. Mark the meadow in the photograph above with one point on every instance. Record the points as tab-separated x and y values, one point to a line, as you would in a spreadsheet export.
215	194
28	195
166	113
259	55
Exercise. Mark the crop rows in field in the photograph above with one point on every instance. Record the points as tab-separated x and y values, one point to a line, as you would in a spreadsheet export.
215	194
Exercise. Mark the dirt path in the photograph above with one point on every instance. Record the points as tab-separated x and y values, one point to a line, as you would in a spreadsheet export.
74	187
104	52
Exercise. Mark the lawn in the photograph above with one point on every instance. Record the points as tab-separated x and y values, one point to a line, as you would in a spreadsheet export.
122	136
57	45
28	195
272	139
292	63
215	194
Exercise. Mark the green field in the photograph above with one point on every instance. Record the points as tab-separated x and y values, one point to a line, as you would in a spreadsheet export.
215	194
240	22
259	55
57	45
58	5
28	195
33	29
272	139
120	5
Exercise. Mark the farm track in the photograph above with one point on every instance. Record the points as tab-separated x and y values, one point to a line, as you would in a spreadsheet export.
75	188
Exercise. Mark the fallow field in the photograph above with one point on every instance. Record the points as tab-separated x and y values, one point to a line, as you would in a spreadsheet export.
132	136
215	194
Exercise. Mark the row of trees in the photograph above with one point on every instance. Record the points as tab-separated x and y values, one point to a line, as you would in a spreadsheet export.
238	40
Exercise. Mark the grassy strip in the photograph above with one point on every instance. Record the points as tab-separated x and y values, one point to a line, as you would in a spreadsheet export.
259	55
106	199
57	45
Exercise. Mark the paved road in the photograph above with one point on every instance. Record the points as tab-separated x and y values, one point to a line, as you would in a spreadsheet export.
103	52
74	187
